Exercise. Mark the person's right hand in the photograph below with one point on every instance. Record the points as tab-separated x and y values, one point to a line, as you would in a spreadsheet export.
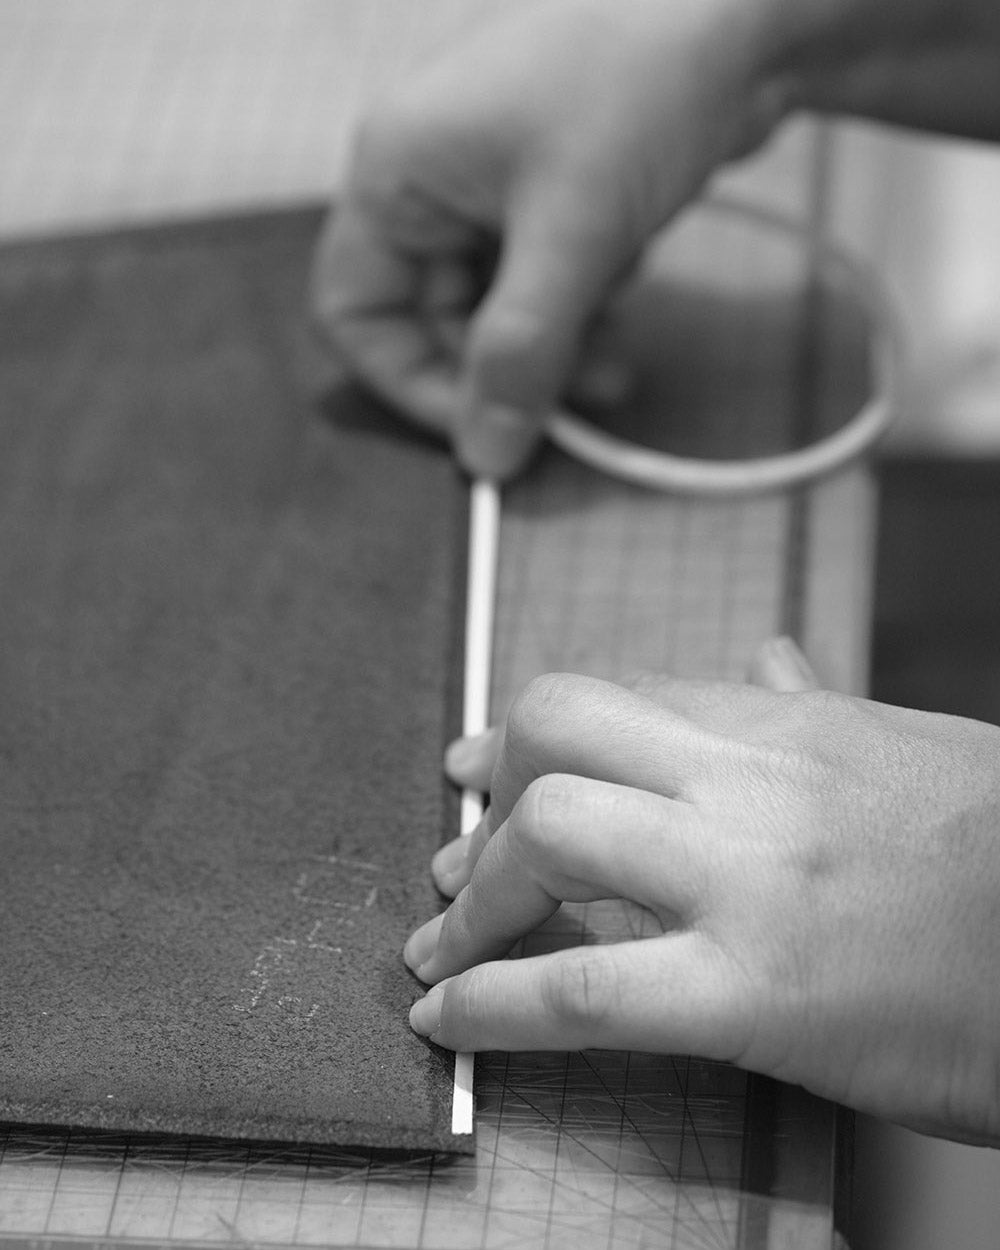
502	193
825	872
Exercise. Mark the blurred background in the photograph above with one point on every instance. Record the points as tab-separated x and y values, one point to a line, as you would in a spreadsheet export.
116	112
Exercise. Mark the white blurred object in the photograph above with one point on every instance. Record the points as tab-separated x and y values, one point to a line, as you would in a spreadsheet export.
924	211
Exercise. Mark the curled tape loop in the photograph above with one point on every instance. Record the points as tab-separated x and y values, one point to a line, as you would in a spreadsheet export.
659	470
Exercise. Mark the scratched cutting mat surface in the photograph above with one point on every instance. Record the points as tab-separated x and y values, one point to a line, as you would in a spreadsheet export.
602	1149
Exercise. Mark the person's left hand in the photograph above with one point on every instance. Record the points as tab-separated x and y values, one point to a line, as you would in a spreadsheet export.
502	192
825	871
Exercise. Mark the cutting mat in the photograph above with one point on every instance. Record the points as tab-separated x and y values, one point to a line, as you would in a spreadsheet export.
600	1149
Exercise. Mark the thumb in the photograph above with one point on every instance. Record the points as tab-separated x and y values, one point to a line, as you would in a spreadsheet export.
564	246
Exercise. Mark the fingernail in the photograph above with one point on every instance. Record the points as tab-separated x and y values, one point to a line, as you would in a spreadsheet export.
449	861
422	944
496	440
425	1014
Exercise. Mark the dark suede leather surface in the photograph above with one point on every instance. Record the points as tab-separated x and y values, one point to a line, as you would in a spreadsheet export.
228	647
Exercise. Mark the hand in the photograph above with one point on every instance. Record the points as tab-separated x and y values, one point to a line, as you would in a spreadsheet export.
826	872
501	195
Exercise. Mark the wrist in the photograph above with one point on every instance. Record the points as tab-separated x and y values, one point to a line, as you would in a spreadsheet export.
802	32
798	43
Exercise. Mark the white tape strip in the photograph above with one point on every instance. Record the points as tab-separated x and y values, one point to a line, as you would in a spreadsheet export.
484	546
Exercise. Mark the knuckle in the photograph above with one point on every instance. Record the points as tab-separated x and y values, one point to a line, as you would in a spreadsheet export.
388	181
382	143
580	991
789	763
814	718
827	705
649	684
503	331
541	815
515	353
537	708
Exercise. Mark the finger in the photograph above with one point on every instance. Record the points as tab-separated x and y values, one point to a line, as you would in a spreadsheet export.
561	253
564	723
572	738
780	665
367	295
568	839
671	993
453	864
469	761
606	376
